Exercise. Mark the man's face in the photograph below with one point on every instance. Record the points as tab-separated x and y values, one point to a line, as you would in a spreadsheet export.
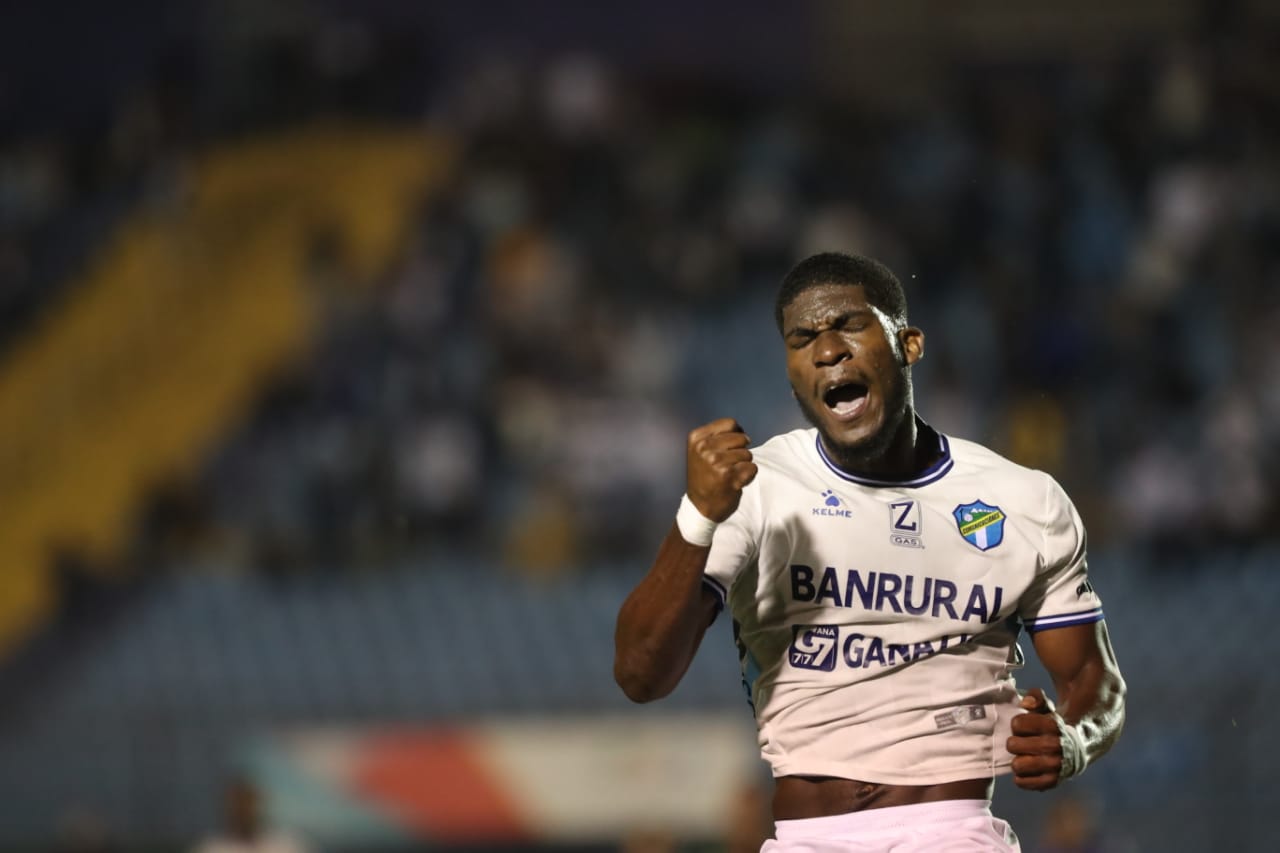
849	378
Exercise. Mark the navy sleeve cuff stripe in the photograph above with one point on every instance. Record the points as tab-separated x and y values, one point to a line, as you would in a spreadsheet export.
717	588
1083	617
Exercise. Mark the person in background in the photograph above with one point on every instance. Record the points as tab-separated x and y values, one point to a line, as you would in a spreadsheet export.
245	830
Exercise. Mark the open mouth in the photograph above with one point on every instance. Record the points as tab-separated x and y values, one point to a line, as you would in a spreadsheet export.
846	400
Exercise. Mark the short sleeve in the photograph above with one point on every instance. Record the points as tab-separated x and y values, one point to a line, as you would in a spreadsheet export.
734	545
1061	594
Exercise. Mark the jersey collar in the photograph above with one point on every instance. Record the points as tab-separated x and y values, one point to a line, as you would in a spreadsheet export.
932	474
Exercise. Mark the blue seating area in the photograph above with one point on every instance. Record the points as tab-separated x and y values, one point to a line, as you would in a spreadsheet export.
1084	227
146	726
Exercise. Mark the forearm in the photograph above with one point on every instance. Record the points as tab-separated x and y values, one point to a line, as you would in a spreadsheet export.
1051	743
662	622
1093	702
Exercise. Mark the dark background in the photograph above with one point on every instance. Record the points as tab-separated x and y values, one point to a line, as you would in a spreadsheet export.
482	417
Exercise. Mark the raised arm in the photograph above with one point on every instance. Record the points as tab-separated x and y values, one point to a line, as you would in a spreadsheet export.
1050	744
661	623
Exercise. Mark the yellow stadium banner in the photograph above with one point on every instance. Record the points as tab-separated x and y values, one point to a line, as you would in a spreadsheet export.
189	309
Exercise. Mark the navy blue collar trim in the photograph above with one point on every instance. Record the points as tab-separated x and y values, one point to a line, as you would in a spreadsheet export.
932	474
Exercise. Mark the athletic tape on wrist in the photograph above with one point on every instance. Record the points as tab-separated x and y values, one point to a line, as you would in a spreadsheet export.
695	527
1075	757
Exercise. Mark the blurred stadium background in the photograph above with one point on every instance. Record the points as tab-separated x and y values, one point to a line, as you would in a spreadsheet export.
347	351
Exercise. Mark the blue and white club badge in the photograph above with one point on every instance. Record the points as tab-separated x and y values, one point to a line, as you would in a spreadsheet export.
981	524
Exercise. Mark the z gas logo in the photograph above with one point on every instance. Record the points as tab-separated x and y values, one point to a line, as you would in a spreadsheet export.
905	524
814	647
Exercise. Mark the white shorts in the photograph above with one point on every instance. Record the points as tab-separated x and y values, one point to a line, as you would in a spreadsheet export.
951	826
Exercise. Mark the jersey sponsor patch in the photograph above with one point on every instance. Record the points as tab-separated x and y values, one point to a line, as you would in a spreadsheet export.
821	647
814	647
889	591
981	524
905	524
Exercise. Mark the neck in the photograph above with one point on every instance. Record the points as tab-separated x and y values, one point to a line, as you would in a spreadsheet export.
901	458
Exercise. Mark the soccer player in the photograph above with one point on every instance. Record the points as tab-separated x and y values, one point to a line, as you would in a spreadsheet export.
878	574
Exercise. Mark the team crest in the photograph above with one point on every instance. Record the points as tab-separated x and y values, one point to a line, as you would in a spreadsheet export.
981	524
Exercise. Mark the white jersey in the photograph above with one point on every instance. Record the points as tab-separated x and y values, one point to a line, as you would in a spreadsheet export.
877	621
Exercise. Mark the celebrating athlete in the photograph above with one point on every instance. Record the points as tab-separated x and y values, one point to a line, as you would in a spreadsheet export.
878	574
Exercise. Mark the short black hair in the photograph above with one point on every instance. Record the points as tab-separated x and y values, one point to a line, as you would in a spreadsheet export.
882	288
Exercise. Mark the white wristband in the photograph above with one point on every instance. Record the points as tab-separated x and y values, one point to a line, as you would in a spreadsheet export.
695	527
1075	757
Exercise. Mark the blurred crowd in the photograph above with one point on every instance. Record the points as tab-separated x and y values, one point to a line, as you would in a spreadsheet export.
1093	251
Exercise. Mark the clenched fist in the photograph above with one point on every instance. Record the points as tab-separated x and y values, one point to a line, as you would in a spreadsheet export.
1036	744
719	466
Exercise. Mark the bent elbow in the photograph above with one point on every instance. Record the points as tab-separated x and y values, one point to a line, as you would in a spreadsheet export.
1116	689
636	687
638	692
1120	690
1111	711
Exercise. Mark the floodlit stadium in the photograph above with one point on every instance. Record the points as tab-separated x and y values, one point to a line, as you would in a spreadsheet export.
348	353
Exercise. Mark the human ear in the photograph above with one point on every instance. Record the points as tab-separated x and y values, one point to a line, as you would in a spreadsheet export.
912	341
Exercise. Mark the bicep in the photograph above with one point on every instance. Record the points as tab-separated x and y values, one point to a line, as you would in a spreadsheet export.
1068	653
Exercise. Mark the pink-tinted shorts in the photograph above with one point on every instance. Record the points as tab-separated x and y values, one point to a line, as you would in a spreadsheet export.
953	826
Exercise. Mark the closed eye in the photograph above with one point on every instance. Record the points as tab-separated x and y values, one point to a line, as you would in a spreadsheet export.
853	322
857	321
800	338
